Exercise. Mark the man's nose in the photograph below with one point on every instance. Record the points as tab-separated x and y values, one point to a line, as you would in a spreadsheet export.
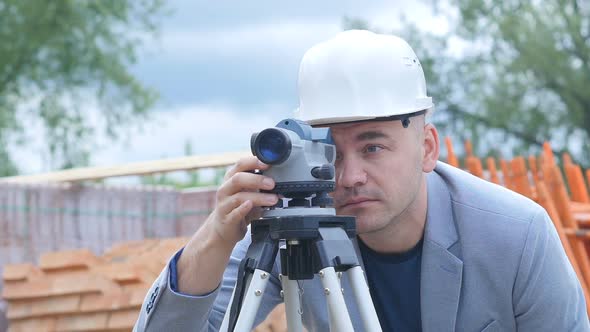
350	173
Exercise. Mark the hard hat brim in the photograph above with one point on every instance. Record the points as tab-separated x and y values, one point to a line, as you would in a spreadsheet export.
353	119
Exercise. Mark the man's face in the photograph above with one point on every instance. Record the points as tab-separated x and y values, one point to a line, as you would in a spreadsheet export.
379	170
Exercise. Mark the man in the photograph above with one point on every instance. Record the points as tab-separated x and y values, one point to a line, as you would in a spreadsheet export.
442	250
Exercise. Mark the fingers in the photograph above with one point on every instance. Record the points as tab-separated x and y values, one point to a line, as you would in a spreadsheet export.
245	164
231	204
240	212
240	177
238	196
243	181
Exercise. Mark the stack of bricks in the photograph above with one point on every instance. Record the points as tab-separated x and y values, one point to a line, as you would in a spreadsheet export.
79	291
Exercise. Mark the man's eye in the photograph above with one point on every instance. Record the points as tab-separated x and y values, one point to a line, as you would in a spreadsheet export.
373	148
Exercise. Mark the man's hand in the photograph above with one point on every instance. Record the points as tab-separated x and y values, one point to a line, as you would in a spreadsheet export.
203	260
236	198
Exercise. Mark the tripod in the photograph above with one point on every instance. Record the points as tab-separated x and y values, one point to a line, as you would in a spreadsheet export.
317	242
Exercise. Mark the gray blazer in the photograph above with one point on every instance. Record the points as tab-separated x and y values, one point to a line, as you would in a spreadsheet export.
491	261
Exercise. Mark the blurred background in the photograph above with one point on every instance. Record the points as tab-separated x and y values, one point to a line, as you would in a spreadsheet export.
94	83
113	82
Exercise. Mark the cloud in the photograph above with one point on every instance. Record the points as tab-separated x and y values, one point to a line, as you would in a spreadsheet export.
286	33
207	15
271	40
251	53
209	128
245	65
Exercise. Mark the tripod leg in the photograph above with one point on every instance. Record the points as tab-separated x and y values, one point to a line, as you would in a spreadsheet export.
252	278
337	310
363	299
245	272
292	304
256	286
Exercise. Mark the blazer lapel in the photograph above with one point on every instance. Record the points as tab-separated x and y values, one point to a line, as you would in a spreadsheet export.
442	269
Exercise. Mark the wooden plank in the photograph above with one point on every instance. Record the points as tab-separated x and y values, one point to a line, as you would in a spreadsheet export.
112	301
138	292
578	233
577	207
59	285
121	251
124	319
119	272
49	306
80	258
84	322
140	168
20	272
44	324
583	219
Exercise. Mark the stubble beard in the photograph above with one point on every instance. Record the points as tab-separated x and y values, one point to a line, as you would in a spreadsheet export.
387	220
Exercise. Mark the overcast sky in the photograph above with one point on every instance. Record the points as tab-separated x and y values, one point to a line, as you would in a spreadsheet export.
225	69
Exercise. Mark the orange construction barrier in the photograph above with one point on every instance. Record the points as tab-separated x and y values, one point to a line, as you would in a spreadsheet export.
576	183
544	199
534	169
520	177
548	154
506	178
474	166
468	148
491	163
566	158
556	188
451	157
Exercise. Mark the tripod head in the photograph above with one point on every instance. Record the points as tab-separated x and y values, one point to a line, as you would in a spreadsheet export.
302	165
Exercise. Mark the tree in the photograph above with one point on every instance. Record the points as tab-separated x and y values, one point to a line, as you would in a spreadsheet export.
522	77
58	59
532	73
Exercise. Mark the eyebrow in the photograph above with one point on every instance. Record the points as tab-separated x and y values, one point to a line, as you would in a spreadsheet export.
370	135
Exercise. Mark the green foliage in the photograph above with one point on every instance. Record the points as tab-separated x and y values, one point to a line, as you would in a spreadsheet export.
522	78
534	68
355	23
59	57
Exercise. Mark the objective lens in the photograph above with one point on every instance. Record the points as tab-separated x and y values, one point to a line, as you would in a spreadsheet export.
272	146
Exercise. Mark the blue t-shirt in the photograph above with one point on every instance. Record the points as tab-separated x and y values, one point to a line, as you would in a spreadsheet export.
394	282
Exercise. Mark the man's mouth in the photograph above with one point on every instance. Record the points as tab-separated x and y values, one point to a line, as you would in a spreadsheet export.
357	202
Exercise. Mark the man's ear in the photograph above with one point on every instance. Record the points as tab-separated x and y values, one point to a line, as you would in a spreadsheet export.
431	148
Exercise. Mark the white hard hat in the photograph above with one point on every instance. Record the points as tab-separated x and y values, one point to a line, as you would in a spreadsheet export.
360	75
